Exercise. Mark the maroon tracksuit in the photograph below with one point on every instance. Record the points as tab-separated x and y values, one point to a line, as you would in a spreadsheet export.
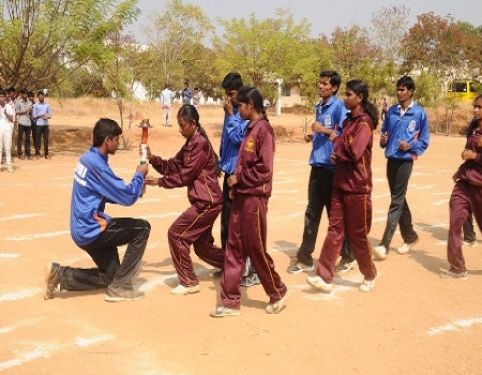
466	196
194	166
351	207
247	222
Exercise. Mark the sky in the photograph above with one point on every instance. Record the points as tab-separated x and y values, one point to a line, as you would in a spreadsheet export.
324	16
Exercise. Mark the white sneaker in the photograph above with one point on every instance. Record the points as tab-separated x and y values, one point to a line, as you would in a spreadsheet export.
449	274
380	252
183	290
222	311
367	286
405	247
10	169
319	283
276	307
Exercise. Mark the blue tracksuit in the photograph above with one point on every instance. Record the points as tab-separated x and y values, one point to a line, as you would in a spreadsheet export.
95	184
412	127
331	115
234	130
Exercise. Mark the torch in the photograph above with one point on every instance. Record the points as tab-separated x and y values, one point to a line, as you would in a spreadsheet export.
144	125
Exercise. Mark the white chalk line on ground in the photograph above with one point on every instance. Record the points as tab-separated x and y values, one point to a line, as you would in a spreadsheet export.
37	236
149	200
9	256
162	216
26	323
455	326
379	219
45	350
21	294
441	202
20	217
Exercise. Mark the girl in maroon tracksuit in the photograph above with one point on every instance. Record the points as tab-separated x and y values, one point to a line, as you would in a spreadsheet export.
194	166
351	208
466	195
251	188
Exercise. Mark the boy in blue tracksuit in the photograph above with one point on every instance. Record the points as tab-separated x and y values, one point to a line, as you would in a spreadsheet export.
330	114
95	232
405	136
234	129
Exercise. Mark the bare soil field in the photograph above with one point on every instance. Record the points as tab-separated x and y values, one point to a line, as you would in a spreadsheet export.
413	323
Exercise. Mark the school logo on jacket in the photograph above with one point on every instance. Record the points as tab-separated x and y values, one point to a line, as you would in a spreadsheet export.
327	121
250	145
411	126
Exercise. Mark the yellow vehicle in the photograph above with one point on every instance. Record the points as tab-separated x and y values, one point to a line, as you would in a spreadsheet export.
463	90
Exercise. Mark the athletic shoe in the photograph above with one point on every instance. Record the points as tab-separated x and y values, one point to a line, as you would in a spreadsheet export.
184	290
123	294
10	169
51	280
405	247
454	275
470	243
367	286
222	311
380	252
250	280
319	283
276	307
299	267
345	265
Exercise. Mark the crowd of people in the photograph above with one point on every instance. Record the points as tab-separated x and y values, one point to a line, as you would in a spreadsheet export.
340	182
23	122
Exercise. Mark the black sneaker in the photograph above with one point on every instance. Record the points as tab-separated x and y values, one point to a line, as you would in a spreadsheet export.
52	280
250	280
123	294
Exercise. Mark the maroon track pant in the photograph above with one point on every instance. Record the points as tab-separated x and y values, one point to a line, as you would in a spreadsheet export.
350	216
194	227
465	197
247	237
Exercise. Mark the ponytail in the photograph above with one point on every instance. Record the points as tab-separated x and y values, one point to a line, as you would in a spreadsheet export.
372	111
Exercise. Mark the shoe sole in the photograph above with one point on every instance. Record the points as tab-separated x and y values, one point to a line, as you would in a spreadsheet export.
307	270
283	305
185	293
119	299
231	313
48	271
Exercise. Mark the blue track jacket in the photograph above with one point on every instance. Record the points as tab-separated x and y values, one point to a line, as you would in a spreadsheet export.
331	115
234	130
412	127
95	184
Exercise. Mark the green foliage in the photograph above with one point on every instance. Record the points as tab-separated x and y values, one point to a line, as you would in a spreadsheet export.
428	89
41	38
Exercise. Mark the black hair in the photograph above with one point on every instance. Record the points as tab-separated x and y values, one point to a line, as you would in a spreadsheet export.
232	81
105	128
2	92
406	81
474	124
30	93
11	89
189	113
40	92
360	88
334	77
23	91
252	95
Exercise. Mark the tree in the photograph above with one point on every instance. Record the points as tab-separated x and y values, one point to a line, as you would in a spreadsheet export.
175	39
434	43
264	50
41	38
388	25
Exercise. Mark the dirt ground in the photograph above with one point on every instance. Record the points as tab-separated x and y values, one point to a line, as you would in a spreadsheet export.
413	323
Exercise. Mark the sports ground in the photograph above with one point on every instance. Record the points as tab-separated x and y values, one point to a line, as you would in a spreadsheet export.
413	323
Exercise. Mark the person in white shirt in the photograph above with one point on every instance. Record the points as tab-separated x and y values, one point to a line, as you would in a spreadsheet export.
166	101
41	113
7	115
